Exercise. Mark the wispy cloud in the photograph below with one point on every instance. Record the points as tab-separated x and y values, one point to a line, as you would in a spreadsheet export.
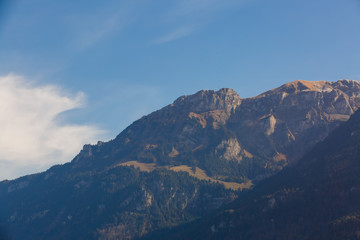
94	25
185	14
176	34
191	7
92	29
32	138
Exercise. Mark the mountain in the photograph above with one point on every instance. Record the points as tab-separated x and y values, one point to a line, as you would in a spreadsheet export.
177	164
233	139
318	198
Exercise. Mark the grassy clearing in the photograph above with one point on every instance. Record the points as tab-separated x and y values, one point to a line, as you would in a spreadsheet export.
144	167
198	173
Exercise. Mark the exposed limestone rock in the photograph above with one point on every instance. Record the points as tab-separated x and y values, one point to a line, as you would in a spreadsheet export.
268	123
246	154
198	118
148	199
208	100
173	153
229	150
279	157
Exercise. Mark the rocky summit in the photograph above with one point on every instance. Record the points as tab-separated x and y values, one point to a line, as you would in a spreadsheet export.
176	164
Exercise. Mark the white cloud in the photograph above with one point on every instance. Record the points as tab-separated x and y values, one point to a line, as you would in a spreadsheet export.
32	139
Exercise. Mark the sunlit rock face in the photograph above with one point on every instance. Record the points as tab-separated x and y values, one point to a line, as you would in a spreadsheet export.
290	119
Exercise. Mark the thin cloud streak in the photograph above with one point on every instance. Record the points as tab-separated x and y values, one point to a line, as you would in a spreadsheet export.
189	13
177	34
91	27
196	7
32	139
91	34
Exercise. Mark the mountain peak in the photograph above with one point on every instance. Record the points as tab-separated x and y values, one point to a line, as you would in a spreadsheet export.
303	85
298	86
227	91
209	100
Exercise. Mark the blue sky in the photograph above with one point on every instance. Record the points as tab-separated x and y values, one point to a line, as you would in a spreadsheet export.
93	67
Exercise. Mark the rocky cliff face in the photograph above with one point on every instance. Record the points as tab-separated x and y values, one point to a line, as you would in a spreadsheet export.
283	123
207	100
176	164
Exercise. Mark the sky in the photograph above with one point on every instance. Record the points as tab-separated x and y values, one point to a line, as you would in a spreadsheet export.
75	72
